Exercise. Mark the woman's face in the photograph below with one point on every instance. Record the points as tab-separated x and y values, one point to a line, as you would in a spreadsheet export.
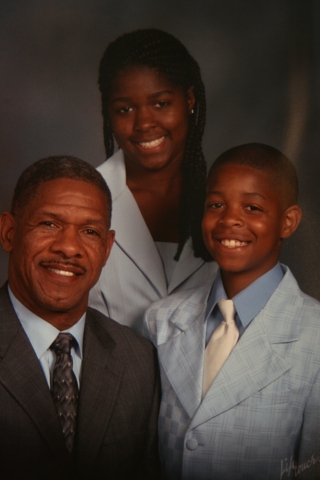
149	118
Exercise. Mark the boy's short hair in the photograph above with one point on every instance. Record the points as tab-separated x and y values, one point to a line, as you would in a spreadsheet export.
266	159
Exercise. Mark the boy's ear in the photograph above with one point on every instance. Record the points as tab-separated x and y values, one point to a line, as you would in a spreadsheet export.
291	220
7	229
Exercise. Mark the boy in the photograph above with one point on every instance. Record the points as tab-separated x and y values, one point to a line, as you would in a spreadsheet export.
241	397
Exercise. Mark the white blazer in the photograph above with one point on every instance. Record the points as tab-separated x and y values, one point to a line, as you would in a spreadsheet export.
134	276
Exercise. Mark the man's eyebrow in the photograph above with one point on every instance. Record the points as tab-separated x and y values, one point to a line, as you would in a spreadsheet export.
58	216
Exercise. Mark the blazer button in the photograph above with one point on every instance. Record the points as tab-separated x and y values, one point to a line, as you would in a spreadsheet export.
192	444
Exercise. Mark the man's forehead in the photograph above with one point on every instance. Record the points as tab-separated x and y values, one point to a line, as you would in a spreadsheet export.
61	195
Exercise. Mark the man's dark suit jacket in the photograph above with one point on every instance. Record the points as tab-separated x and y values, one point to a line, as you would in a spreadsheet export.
116	435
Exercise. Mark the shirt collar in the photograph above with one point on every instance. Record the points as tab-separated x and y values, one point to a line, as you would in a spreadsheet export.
250	301
41	334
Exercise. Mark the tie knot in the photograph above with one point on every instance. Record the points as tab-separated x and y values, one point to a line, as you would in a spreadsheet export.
63	343
227	309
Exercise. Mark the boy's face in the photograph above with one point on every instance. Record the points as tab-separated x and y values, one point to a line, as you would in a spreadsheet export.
243	221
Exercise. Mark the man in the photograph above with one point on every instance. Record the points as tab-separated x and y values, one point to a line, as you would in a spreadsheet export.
82	403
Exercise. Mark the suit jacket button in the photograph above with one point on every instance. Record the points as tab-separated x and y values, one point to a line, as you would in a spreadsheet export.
192	444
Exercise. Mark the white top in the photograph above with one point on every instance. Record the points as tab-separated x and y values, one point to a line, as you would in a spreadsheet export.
135	276
167	251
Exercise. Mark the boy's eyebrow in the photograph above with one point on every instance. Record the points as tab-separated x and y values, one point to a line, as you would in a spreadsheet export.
254	194
245	194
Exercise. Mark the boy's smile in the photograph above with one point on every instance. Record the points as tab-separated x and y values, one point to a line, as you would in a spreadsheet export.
244	222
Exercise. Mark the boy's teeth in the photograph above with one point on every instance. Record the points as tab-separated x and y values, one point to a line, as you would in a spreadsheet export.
62	272
152	144
233	243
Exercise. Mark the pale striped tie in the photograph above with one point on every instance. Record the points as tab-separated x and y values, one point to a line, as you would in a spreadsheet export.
220	345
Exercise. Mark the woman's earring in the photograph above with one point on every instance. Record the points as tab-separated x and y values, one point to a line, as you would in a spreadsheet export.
192	112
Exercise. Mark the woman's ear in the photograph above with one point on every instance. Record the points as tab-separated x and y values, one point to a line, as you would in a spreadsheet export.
191	99
7	229
291	220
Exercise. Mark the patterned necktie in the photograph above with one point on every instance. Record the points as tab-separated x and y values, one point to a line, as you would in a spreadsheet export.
64	386
220	345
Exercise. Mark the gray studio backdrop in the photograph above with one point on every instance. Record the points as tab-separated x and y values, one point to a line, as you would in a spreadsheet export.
260	64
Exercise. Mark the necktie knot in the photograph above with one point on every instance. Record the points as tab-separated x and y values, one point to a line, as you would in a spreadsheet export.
63	344
227	309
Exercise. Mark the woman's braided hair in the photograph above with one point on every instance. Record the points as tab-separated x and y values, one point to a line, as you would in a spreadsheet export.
162	52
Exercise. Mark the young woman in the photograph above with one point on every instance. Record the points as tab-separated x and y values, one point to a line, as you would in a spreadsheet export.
153	105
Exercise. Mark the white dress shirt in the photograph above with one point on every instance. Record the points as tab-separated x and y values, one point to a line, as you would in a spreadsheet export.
41	334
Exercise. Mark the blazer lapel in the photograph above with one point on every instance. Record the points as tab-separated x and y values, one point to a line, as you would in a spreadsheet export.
134	238
22	375
132	234
187	265
254	363
181	356
100	381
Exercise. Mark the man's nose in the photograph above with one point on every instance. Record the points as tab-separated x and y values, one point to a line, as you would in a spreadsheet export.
68	242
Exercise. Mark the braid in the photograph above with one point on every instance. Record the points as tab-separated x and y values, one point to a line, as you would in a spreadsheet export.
161	51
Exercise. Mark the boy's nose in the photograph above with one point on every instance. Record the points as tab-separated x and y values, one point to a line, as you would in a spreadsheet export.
231	217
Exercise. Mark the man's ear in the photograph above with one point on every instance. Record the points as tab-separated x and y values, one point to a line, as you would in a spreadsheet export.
109	243
7	229
291	220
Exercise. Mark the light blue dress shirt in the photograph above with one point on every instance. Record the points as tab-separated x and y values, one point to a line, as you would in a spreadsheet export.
248	303
41	334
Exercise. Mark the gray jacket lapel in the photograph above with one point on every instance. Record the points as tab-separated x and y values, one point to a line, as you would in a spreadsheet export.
21	374
101	378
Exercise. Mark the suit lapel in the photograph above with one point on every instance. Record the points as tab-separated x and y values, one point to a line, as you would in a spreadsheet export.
142	251
132	234
187	265
181	356
251	366
134	238
21	374
100	381
254	363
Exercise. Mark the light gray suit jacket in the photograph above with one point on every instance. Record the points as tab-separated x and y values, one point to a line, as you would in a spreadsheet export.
134	277
260	419
116	433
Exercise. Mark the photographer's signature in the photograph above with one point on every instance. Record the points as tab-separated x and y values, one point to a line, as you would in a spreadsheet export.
291	466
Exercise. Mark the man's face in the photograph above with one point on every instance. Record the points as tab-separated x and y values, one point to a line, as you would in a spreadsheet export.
57	247
243	222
